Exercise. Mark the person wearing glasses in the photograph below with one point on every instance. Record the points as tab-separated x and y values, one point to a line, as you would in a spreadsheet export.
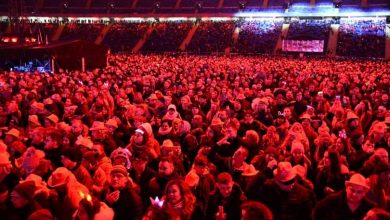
349	203
286	198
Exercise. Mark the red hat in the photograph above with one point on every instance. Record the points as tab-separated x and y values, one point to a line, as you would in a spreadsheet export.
119	169
26	189
284	172
358	179
59	177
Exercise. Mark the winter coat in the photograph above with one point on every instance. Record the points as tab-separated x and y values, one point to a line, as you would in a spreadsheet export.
287	205
231	205
128	206
335	207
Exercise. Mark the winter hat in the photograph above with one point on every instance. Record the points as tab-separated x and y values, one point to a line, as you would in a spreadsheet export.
305	116
186	127
152	97
124	153
147	128
167	143
119	169
172	106
297	145
26	189
351	115
41	214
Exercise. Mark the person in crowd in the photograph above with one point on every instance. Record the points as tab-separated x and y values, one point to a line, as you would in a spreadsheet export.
179	197
346	204
65	197
242	115
284	196
255	210
166	172
122	195
225	201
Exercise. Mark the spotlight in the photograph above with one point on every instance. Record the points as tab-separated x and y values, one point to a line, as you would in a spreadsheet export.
66	5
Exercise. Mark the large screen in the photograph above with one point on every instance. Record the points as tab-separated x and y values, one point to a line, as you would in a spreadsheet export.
313	46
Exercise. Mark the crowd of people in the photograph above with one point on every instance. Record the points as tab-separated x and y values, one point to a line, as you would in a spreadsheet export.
212	36
89	32
258	36
309	29
362	37
167	36
197	137
124	36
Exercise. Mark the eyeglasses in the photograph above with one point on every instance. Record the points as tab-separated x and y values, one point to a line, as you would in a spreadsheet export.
289	182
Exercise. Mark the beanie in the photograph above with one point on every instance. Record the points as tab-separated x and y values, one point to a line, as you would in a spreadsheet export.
297	145
148	128
26	189
119	169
